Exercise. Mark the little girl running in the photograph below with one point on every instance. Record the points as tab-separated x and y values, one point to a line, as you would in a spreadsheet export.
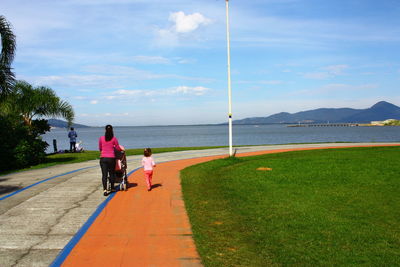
148	164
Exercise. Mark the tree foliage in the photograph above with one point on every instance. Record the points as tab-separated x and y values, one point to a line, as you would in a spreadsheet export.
34	102
21	124
8	47
21	145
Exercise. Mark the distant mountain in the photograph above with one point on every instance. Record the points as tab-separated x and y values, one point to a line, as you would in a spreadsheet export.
64	124
380	111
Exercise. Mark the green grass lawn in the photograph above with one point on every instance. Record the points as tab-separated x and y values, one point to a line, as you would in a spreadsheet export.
329	207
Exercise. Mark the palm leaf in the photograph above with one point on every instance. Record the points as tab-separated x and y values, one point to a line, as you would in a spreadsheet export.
8	43
31	102
8	48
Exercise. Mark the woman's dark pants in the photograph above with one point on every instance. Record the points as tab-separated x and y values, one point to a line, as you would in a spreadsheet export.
107	170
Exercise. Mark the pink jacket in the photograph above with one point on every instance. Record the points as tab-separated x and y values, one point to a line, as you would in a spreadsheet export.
107	148
148	163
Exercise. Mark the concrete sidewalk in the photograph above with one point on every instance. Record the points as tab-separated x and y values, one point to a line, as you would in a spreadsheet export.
38	222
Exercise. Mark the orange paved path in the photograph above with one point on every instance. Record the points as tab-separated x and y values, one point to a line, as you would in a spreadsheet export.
140	228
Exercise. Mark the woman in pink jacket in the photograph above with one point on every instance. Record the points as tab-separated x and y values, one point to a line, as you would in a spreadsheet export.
107	144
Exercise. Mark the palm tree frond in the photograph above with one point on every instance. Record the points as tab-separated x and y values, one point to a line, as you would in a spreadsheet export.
30	102
7	80
8	47
8	42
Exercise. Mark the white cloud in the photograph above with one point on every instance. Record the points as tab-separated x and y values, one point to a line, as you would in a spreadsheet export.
269	82
151	59
167	37
116	70
185	60
336	69
92	80
317	75
183	25
94	102
329	72
179	90
198	90
123	72
187	23
102	77
106	2
127	93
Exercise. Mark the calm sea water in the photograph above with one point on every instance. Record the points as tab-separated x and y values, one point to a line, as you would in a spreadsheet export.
217	135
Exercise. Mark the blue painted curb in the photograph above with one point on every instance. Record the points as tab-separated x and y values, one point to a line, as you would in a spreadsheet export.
45	180
77	237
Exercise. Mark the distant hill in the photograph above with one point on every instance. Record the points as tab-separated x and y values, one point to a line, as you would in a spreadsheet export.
64	124
380	111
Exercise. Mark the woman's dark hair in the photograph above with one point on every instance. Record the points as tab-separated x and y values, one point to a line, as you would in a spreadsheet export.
147	152
109	132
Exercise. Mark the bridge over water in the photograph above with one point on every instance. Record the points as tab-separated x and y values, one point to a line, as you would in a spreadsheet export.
326	125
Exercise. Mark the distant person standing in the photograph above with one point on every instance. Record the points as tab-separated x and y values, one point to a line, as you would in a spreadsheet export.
72	139
148	164
107	144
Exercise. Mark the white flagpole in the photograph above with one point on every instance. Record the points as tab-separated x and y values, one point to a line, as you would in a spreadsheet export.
229	80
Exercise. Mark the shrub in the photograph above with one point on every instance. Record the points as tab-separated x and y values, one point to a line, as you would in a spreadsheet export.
21	146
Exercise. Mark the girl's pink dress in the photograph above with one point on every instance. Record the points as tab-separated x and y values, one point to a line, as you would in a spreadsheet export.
148	164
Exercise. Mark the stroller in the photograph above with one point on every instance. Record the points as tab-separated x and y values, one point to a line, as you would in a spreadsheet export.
120	169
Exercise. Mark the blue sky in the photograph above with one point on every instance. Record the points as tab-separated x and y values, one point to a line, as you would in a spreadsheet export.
159	62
